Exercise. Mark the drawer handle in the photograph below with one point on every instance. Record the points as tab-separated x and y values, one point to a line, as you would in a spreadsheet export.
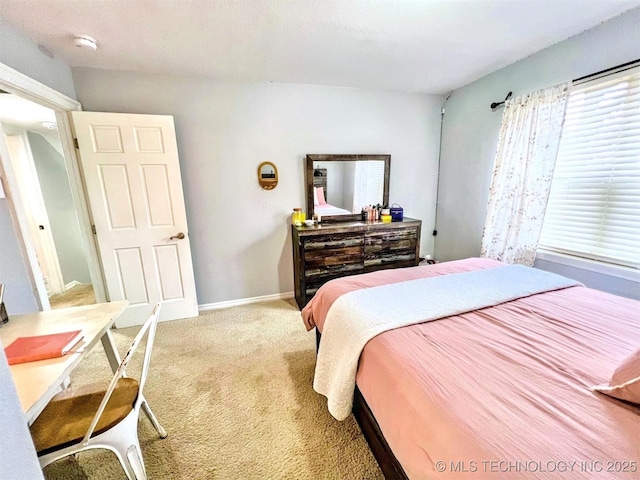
332	267
322	246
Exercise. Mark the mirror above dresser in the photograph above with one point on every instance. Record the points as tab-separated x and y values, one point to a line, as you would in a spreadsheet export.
338	186
343	244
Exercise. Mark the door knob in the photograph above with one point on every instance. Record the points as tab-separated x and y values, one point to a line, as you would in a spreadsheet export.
179	236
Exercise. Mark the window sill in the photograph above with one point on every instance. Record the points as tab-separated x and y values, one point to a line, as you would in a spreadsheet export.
617	271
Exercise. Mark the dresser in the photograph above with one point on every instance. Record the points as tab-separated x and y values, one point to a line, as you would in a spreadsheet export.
327	251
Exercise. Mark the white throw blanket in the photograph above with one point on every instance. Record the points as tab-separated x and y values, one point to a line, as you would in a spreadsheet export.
358	316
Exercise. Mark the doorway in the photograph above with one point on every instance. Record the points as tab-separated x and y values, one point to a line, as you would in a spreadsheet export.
36	155
35	292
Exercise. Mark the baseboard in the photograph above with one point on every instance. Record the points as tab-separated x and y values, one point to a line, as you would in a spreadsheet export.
72	284
128	319
244	301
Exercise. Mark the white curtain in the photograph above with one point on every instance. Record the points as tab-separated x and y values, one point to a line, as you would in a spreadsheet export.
522	174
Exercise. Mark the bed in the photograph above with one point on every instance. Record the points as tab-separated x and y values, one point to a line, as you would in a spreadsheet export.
327	209
504	390
320	205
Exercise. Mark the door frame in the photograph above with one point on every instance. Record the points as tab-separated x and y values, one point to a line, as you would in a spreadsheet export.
32	197
26	87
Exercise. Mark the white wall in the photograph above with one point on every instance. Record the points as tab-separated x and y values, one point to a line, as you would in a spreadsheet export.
240	234
470	128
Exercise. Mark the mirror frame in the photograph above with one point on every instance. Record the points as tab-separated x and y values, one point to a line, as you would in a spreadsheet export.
310	158
270	183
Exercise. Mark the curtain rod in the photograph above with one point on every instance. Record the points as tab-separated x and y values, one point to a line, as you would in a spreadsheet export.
587	78
495	105
608	71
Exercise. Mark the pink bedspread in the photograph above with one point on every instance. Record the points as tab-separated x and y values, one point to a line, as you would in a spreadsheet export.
503	392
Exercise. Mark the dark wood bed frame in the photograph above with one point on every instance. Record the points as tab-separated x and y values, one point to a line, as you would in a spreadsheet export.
387	461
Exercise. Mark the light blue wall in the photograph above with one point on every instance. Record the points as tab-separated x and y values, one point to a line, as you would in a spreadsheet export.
240	234
17	455
623	286
18	459
470	128
56	191
24	55
18	296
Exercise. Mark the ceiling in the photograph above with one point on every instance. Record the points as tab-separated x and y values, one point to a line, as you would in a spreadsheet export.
426	46
17	114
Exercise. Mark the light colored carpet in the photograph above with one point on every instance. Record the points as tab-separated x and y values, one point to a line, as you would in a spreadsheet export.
77	295
233	388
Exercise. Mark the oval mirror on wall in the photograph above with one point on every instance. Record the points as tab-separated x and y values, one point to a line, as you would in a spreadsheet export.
267	175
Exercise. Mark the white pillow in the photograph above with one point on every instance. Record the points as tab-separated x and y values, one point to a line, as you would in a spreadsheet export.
625	381
315	196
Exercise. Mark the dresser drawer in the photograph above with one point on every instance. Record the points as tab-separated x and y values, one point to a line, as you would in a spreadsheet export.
332	256
323	253
335	241
316	277
390	247
322	270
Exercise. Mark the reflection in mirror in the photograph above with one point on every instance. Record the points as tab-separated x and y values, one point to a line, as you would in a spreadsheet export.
340	185
345	187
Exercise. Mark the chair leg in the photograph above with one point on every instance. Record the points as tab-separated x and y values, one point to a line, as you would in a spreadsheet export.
152	418
136	462
122	439
126	465
129	454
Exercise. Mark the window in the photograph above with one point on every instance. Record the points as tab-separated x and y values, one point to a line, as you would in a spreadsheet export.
368	188
594	203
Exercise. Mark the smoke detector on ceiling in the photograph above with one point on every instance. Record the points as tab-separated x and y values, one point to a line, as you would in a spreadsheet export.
85	41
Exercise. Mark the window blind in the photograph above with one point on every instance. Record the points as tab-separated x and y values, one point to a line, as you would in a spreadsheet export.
371	175
594	203
375	187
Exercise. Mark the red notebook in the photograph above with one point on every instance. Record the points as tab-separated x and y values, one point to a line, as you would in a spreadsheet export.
41	347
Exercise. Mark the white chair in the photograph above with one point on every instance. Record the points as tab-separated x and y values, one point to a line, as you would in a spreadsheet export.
93	416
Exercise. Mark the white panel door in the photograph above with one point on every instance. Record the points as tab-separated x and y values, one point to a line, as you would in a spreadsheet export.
132	175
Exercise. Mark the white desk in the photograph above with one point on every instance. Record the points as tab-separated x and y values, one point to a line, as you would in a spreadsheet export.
37	382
